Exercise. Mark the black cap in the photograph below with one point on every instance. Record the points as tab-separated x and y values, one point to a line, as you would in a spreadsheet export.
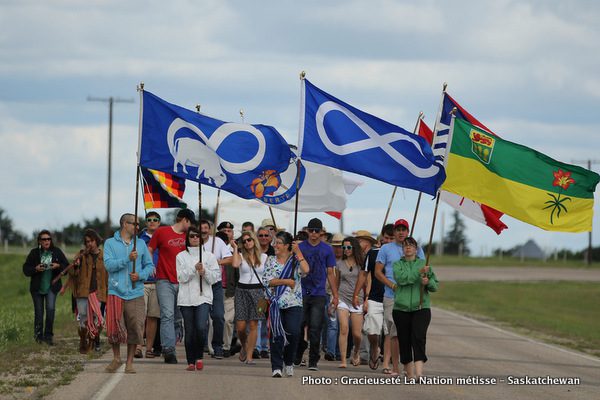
225	225
315	223
187	213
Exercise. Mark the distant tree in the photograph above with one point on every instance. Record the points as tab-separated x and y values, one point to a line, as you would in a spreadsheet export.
456	239
7	230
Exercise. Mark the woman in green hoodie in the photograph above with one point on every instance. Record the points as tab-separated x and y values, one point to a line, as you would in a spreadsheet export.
412	314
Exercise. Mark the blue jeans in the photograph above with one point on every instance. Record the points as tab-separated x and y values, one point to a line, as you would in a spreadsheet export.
332	335
263	339
291	318
167	300
195	321
217	314
43	331
314	308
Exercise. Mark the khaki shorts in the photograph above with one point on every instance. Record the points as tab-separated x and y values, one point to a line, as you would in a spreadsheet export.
151	300
134	317
374	319
388	307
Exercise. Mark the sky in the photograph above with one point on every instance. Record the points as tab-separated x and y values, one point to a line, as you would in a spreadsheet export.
527	69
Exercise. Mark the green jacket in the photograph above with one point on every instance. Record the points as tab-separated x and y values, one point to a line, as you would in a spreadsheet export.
408	279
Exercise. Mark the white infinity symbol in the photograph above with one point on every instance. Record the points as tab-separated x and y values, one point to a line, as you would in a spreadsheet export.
375	140
218	136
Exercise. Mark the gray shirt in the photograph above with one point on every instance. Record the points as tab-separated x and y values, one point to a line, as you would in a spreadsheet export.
347	281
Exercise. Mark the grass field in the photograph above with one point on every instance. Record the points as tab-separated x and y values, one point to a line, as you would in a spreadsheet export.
29	369
565	313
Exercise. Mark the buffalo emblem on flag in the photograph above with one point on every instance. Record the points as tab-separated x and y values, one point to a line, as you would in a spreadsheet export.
482	145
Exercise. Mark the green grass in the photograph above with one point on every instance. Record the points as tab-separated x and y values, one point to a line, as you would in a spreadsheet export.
29	369
565	313
447	260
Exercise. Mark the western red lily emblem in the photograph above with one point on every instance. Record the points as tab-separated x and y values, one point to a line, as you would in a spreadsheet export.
563	180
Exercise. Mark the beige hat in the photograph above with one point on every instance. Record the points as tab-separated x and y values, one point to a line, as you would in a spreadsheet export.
337	239
363	234
267	222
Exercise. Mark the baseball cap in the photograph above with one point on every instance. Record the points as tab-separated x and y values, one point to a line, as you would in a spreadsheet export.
225	225
187	213
401	222
315	223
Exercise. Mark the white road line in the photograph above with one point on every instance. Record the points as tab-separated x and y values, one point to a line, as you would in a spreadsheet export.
104	392
584	356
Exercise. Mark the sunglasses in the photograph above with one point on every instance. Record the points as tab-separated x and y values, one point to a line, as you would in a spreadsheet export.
248	240
152	220
132	223
45	239
194	236
264	235
313	230
346	247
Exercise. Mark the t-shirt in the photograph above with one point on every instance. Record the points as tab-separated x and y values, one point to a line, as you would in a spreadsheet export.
246	274
146	237
347	282
319	258
388	255
377	288
221	251
46	280
169	244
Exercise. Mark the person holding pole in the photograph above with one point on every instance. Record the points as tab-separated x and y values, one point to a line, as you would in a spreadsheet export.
169	241
125	306
194	303
412	313
384	272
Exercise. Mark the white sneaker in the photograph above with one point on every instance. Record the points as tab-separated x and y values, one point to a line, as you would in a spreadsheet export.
276	373
289	370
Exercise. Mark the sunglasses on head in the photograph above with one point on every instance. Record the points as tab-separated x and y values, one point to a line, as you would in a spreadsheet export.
247	240
313	230
152	220
346	247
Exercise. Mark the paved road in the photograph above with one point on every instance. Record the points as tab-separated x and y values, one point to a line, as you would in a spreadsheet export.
457	347
516	274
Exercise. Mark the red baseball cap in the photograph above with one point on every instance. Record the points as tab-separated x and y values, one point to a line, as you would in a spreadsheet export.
402	222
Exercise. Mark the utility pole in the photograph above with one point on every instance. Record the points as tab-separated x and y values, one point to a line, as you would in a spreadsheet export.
110	100
588	255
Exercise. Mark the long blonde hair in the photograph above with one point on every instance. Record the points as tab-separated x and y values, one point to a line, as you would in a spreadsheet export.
255	250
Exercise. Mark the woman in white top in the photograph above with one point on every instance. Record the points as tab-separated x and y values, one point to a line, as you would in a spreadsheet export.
195	295
249	290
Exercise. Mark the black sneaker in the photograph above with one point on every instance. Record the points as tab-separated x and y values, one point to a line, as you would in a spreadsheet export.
170	358
313	367
264	354
255	354
218	354
226	353
329	357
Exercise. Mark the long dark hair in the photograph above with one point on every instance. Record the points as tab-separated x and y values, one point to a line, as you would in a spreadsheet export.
192	229
45	232
92	234
356	252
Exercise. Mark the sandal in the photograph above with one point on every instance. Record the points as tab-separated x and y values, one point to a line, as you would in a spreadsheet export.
138	353
149	354
374	364
386	371
356	360
242	357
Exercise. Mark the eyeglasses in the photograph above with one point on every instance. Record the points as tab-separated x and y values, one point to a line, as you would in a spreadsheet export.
264	235
152	220
45	239
247	240
313	230
346	247
194	236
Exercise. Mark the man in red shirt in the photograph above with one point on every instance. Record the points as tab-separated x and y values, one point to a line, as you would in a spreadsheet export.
169	241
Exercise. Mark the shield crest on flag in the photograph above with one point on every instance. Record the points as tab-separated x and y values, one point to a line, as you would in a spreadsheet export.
482	145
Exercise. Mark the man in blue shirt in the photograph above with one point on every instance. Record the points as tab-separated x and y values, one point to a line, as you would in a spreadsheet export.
321	261
384	272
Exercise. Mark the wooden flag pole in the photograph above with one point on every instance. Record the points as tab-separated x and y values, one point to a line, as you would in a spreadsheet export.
387	213
273	218
212	250
200	215
414	220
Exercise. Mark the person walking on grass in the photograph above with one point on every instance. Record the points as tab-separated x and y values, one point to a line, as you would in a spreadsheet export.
125	307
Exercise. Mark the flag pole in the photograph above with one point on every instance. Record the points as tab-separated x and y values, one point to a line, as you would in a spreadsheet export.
387	213
437	203
414	220
212	250
273	218
140	89
200	215
300	136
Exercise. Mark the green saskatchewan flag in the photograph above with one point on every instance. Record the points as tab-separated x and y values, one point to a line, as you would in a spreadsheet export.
519	181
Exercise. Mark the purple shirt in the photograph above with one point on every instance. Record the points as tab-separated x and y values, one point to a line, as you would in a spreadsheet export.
319	258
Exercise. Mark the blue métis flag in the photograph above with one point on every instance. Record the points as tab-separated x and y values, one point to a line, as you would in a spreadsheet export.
243	159
336	134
